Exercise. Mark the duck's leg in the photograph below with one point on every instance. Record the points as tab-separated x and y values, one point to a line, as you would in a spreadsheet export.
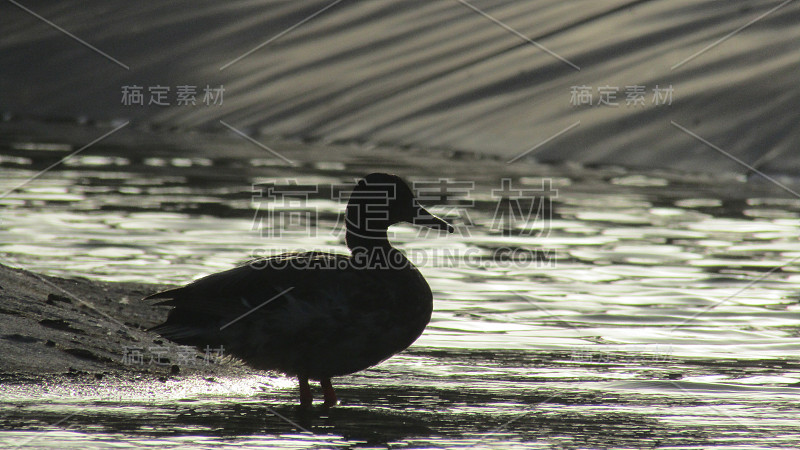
305	392
330	394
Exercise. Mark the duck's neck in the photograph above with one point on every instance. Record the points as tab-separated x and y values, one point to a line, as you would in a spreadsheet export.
365	239
372	249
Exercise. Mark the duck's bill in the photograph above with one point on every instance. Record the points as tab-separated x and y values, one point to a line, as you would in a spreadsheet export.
426	219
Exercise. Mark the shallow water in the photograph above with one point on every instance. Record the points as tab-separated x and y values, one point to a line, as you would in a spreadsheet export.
643	310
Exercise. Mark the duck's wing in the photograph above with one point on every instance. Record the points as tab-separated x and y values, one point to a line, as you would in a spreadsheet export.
245	280
258	283
279	306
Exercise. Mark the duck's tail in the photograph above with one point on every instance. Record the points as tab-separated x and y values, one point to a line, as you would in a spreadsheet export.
183	326
170	294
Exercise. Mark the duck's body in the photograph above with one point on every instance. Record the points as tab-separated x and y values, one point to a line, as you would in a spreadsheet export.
315	315
335	318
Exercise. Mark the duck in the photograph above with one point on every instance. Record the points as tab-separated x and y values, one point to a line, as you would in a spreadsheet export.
316	315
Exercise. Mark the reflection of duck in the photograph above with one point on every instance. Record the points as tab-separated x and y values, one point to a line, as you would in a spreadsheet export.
316	315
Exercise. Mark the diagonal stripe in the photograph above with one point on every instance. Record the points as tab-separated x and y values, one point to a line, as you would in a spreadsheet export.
76	38
259	144
729	35
522	36
776	182
279	35
543	142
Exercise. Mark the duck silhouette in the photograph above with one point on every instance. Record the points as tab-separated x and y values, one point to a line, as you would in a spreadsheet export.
316	315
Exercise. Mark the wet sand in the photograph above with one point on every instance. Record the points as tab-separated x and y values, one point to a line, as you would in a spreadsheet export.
79	327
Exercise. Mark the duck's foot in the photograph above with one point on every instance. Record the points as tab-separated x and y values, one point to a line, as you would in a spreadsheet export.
330	394
305	392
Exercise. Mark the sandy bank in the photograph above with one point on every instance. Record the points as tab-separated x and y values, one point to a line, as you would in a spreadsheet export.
51	325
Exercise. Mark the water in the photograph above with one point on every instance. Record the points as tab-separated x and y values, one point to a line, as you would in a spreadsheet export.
651	309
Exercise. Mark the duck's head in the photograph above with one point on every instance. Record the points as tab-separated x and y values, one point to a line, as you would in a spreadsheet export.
380	200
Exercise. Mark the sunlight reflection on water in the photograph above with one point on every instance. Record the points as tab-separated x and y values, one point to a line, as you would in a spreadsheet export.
645	295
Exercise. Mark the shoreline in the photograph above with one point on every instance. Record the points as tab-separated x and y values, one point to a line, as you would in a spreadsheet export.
50	137
79	327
